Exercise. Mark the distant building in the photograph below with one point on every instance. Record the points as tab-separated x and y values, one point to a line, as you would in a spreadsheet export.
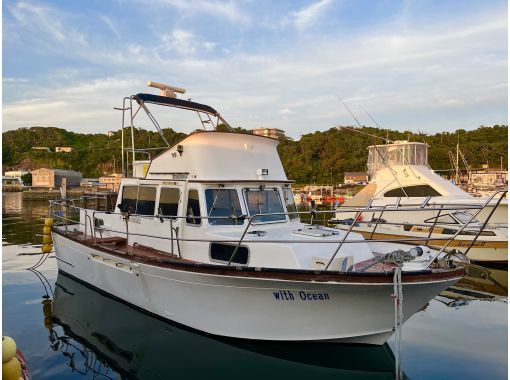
269	132
52	178
16	173
487	177
44	148
110	133
111	182
64	149
11	181
85	182
355	177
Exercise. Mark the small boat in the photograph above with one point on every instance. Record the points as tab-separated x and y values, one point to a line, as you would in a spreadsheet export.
206	234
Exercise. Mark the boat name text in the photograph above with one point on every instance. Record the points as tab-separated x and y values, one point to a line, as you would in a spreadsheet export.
287	295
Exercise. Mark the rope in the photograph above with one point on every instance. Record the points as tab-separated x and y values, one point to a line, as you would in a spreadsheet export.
398	257
398	297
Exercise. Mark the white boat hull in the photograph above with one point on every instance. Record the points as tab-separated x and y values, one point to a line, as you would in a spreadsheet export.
248	307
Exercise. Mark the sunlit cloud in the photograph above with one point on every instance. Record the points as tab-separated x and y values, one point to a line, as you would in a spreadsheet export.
446	74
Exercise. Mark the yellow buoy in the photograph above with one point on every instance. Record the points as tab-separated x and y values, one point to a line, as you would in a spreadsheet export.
46	230
48	222
11	370
46	239
8	348
46	248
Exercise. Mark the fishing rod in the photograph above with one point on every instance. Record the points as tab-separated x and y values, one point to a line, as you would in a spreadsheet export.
357	122
370	116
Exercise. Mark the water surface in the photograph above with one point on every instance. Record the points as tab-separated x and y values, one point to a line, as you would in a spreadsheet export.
66	330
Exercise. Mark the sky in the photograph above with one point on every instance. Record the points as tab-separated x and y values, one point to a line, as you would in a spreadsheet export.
427	66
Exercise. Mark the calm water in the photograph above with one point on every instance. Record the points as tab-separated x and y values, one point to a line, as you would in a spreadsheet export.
68	331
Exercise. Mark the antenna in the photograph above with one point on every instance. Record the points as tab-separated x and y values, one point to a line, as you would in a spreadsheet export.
166	90
345	105
370	116
365	133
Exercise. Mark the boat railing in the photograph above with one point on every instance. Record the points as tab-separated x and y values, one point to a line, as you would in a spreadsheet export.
91	216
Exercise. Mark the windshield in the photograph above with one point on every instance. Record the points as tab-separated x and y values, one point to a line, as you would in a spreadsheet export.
265	201
223	203
464	217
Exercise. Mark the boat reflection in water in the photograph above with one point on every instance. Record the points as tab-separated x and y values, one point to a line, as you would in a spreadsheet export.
101	336
479	283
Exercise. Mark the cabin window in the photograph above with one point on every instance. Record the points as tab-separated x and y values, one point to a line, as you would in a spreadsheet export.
413	191
140	200
223	253
129	196
169	201
266	201
288	197
464	217
444	219
146	200
223	203
193	208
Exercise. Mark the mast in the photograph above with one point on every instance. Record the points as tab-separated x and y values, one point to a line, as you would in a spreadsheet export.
457	162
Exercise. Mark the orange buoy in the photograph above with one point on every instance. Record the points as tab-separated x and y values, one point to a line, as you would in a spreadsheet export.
48	222
47	239
46	230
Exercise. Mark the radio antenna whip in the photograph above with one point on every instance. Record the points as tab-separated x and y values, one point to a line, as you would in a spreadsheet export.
345	105
370	116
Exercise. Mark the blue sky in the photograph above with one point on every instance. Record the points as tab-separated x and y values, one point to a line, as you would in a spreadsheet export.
414	65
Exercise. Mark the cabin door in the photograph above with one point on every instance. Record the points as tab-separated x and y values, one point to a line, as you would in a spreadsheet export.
169	211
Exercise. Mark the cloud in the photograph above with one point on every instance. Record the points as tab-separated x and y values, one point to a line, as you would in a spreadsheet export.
14	80
436	76
305	17
44	21
185	43
227	10
109	23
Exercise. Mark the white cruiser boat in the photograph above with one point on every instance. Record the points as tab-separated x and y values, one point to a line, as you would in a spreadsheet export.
480	244
399	171
206	234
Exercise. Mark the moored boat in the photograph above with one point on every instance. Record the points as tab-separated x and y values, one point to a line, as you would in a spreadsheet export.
479	243
206	234
399	173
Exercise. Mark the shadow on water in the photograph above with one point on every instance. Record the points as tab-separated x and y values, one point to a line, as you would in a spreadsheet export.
101	335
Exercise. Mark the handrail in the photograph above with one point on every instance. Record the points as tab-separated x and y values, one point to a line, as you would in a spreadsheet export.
486	221
344	238
251	220
401	208
241	239
465	224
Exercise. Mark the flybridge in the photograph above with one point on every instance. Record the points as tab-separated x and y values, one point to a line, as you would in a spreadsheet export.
396	153
132	165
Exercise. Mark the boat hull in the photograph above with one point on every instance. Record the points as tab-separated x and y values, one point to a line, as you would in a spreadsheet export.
248	307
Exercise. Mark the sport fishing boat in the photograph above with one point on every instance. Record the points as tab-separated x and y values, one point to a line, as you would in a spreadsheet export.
206	234
399	172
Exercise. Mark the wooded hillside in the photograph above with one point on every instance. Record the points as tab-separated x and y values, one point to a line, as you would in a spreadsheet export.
315	157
